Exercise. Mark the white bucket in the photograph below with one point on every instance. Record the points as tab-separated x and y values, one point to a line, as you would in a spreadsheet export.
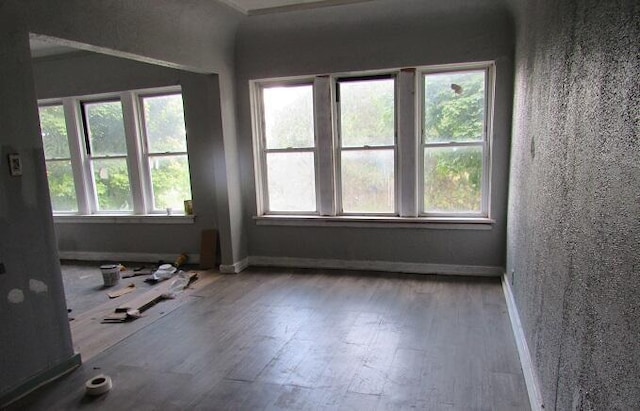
110	274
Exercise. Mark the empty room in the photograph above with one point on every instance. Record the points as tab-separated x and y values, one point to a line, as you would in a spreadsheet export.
358	204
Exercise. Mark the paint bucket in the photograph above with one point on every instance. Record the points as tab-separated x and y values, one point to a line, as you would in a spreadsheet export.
110	274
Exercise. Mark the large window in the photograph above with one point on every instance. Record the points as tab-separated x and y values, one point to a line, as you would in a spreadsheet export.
166	151
58	159
121	153
454	139
288	149
367	145
412	143
106	148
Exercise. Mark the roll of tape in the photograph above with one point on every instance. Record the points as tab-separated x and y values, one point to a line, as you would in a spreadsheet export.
98	385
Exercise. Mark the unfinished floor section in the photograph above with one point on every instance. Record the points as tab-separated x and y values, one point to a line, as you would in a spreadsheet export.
301	339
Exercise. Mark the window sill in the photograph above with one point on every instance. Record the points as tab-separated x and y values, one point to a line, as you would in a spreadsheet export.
125	219
432	223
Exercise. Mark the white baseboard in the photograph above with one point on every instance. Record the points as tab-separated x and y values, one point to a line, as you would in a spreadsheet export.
236	267
390	266
528	368
117	257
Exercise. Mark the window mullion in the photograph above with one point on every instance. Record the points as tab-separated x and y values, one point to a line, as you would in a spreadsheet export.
487	160
139	184
260	164
324	143
85	192
407	144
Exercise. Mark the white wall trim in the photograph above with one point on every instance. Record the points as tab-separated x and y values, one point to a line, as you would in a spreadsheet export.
236	267
390	266
528	368
118	257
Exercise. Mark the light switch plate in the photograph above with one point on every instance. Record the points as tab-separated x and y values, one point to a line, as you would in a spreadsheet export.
15	165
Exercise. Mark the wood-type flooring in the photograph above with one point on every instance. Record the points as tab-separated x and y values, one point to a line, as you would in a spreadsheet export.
285	339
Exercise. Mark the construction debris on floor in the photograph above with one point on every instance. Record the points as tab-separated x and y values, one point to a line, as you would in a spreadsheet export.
134	308
87	296
113	272
125	290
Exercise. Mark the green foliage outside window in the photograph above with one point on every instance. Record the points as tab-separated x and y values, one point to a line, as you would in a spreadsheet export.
105	125
454	110
104	121
166	133
288	113
112	185
56	153
106	128
171	182
367	118
54	132
454	107
367	113
452	179
367	181
61	186
164	122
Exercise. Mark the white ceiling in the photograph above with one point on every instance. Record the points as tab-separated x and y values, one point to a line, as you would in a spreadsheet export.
271	6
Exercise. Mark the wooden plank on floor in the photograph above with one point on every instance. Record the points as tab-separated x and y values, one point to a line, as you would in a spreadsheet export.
208	248
90	337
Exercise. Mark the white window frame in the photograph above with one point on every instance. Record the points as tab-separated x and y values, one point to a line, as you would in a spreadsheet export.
339	149
409	158
90	157
137	162
146	154
485	143
260	143
54	103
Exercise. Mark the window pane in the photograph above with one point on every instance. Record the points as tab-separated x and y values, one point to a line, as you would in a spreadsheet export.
164	123
453	179
368	181
61	188
112	185
291	182
106	128
367	113
54	132
170	181
288	116
454	106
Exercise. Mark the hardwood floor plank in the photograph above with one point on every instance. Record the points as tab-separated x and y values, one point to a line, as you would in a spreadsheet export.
312	339
280	369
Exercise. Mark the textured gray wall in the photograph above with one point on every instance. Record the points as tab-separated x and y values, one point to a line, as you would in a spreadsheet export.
88	73
34	328
574	202
369	36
